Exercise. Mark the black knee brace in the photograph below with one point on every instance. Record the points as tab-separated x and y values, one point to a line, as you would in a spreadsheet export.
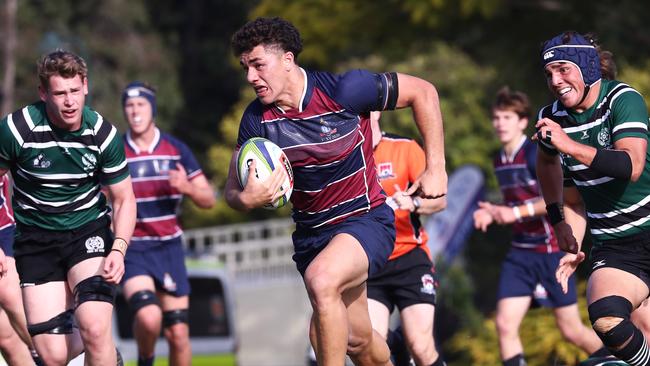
60	324
613	306
94	288
175	316
141	299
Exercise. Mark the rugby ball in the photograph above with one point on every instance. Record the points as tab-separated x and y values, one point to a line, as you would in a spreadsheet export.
268	157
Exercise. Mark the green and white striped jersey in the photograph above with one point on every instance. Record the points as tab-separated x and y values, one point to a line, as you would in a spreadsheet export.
615	208
57	173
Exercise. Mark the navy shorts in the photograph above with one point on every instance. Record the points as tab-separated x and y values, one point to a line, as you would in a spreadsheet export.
46	255
406	280
164	263
7	240
375	230
629	254
526	273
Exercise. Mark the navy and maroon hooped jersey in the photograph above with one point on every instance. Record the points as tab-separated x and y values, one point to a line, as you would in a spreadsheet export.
6	211
157	201
518	183
329	143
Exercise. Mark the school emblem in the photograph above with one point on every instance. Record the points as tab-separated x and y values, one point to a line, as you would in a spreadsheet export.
89	161
428	285
385	170
95	244
41	161
327	132
604	137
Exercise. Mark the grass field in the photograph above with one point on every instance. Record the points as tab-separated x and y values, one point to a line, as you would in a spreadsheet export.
203	360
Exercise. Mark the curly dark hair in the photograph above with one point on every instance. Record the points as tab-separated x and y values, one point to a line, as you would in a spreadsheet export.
275	32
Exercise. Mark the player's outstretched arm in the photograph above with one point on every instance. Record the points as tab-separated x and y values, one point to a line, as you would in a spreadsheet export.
422	97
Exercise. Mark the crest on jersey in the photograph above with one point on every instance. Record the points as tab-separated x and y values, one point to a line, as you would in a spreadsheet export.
385	170
41	161
327	132
95	244
604	137
89	161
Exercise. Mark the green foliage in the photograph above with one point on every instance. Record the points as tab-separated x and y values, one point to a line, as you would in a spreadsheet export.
198	360
117	42
542	342
637	77
469	138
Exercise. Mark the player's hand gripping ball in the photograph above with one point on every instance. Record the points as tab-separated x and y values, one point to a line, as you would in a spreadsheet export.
268	157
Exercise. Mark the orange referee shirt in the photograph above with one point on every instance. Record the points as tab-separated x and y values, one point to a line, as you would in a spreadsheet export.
400	161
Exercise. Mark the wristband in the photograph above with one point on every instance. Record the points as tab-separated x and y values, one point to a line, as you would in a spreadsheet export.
416	203
120	245
515	210
530	208
555	212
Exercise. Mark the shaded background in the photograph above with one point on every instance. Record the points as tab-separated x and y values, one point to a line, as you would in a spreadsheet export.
467	48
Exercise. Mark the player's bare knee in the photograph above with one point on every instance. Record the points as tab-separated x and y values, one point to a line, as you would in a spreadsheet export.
323	292
421	348
504	327
149	318
54	357
357	344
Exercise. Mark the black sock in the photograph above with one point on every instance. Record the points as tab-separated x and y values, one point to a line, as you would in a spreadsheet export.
145	361
517	360
439	362
601	352
636	352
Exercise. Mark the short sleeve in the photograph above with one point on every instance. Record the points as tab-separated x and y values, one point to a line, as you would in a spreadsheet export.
362	91
250	124
114	168
189	162
9	147
629	115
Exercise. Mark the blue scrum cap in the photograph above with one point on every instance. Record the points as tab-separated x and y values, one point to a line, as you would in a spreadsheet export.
576	49
140	89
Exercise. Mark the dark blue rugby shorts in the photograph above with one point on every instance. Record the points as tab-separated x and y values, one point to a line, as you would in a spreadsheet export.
375	230
7	240
164	263
526	273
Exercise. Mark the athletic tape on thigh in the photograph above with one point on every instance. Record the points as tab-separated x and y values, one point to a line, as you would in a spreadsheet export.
94	288
614	306
175	316
141	299
60	324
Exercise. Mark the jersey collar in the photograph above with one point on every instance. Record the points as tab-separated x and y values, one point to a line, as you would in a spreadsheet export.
152	146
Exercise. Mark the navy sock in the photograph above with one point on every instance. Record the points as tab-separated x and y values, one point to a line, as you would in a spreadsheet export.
145	361
517	360
636	352
439	362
